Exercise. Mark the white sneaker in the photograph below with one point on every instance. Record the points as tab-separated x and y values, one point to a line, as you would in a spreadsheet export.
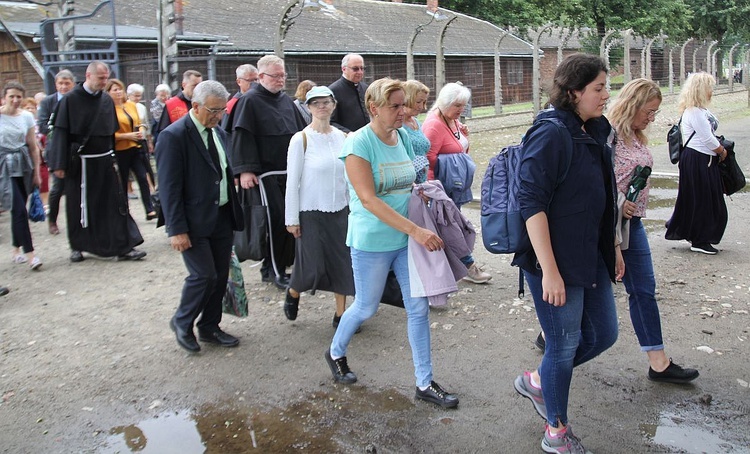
476	275
35	264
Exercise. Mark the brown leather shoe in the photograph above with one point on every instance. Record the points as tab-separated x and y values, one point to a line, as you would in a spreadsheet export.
53	230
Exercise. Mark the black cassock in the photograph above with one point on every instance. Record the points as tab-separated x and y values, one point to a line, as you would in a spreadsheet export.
263	125
105	227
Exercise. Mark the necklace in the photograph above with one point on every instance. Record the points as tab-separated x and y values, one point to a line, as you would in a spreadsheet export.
457	132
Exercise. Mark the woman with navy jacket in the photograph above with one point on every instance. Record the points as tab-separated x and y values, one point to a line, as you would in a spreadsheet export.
567	197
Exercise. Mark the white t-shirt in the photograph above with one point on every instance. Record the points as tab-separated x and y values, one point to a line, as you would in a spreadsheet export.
315	177
699	120
13	130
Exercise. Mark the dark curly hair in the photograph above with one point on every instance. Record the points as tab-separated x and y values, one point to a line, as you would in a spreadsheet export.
573	74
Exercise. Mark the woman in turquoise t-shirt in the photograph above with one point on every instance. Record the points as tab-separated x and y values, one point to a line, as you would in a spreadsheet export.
379	170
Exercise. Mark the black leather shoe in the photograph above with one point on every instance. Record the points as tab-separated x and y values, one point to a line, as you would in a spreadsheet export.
4	291
437	395
673	374
185	339
134	254
281	282
218	337
150	216
291	306
76	256
340	369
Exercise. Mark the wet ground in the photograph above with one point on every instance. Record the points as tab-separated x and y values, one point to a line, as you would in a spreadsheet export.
89	365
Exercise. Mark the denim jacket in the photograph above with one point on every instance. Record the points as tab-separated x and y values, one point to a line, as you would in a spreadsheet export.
581	209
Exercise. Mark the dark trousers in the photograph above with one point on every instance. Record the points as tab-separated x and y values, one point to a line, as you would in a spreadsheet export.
207	263
132	159
19	227
55	193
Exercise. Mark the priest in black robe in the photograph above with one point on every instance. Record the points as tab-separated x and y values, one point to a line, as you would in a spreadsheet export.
80	151
265	119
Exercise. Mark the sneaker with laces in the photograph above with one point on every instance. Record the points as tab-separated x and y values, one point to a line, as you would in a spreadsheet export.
18	259
564	442
340	369
437	395
526	389
673	374
476	275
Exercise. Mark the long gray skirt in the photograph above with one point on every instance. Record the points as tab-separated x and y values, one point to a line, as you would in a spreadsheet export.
322	259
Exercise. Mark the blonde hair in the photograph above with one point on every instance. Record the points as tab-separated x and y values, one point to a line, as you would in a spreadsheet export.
303	88
411	89
697	91
268	61
113	82
634	95
378	92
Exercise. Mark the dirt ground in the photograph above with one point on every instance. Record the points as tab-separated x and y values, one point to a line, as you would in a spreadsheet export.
88	363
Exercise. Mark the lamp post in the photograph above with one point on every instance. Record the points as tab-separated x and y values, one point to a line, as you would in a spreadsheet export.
440	57
626	37
536	95
410	45
695	56
682	61
498	74
709	68
286	21
731	67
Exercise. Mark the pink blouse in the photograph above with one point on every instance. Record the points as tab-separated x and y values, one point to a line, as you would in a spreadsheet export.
627	158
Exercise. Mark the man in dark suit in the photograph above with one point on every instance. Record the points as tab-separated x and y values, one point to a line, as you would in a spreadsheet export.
64	82
201	210
350	113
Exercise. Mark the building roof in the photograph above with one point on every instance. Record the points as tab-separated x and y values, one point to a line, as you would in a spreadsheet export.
362	26
573	37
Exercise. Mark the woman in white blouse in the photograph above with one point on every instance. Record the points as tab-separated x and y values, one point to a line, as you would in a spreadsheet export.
700	212
317	208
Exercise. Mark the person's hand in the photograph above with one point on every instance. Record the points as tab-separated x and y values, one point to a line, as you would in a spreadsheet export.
628	209
428	239
723	154
294	230
553	289
59	174
619	264
464	129
248	180
37	179
180	242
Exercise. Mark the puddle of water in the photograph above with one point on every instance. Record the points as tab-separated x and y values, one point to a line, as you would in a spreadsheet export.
673	432
312	424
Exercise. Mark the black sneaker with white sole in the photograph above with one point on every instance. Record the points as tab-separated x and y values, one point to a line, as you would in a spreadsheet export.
704	248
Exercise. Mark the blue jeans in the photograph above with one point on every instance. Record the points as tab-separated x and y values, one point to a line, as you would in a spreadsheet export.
370	272
575	333
641	287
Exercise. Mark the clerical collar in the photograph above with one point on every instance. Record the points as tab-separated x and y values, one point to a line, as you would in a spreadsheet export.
88	90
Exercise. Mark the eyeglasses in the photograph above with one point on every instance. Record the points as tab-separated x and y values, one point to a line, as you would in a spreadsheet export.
248	80
275	76
356	68
215	111
321	103
653	113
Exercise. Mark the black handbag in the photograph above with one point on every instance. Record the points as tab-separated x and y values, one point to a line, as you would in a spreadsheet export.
732	178
252	242
392	291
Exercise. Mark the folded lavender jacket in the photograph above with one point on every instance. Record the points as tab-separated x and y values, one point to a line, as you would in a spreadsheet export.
434	274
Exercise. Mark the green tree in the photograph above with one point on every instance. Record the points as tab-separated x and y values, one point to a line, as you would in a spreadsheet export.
717	19
503	13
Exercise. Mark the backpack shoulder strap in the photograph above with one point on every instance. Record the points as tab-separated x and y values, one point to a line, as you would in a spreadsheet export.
304	142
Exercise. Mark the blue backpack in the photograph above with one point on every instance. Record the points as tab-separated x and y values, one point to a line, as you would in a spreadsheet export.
503	227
